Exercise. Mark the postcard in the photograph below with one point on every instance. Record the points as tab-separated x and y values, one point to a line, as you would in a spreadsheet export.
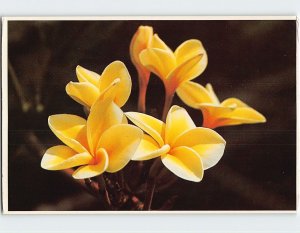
149	114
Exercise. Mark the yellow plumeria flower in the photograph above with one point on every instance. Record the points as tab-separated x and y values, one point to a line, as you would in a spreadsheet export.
187	62
92	86
141	40
100	144
186	150
231	111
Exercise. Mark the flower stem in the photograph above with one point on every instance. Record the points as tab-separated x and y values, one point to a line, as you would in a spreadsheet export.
149	193
104	193
168	101
143	83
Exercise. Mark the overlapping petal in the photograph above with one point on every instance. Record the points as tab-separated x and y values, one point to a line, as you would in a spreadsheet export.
116	70
96	168
103	115
63	157
178	121
185	163
152	126
84	93
120	142
85	75
206	142
71	130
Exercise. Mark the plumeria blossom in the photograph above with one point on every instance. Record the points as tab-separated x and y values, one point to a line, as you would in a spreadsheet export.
231	111
187	62
114	81
141	40
186	150
102	143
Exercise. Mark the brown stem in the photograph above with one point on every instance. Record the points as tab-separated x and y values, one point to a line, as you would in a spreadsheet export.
103	191
149	194
168	101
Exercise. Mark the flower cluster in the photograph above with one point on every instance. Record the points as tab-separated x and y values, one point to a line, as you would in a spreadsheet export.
106	142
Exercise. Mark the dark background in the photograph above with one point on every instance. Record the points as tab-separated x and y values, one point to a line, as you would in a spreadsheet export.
251	60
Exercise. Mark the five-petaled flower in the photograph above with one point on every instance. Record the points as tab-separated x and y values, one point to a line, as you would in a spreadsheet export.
231	111
185	149
114	81
103	143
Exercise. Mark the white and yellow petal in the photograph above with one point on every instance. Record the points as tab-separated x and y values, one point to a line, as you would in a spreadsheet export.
158	61
189	49
85	75
98	167
206	142
63	157
71	130
185	163
116	71
84	93
178	121
149	149
120	142
192	94
103	115
152	126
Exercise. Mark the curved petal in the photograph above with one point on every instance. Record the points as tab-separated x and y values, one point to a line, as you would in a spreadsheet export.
233	102
245	115
98	167
178	121
85	75
71	130
140	41
158	61
152	126
208	143
189	49
116	70
212	94
159	43
186	71
192	93
103	115
63	157
185	163
149	149
84	93
120	142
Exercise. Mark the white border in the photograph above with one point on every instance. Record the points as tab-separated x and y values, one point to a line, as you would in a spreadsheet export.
89	18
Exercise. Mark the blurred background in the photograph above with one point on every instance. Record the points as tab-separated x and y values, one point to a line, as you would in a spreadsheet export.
251	60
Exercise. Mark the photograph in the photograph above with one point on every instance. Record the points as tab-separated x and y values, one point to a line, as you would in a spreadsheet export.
150	115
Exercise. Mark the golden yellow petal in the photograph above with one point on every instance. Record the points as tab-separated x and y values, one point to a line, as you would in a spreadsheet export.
120	142
185	163
233	102
212	94
63	157
85	75
158	61
158	43
189	49
149	149
117	70
178	121
208	143
71	130
83	92
103	115
97	168
188	70
192	94
152	126
140	41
